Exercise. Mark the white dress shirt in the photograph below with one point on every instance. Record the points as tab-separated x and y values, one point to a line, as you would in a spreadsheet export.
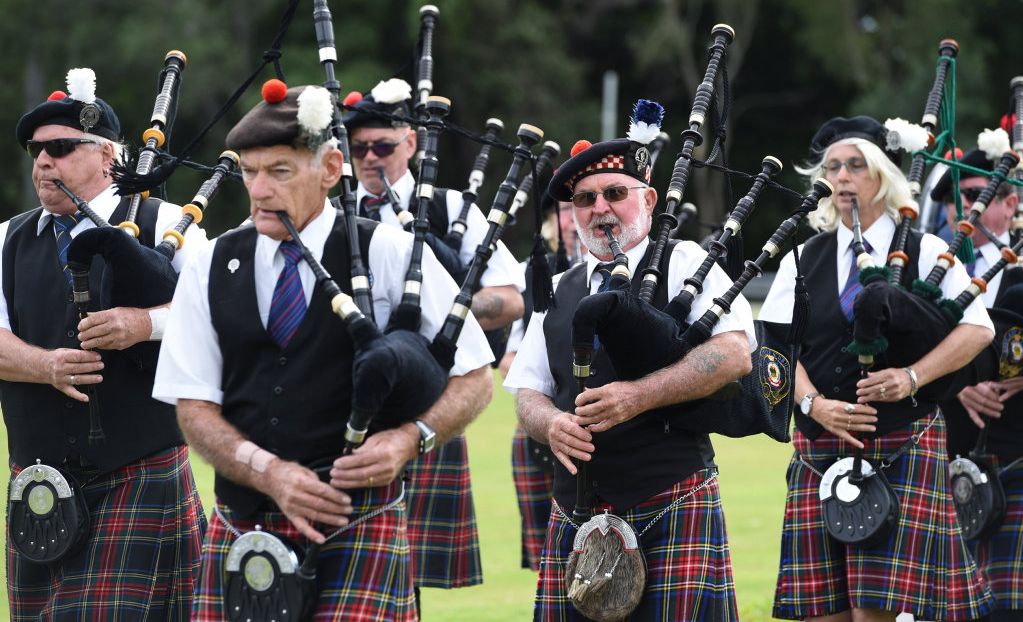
104	205
191	363
778	305
531	369
989	255
502	269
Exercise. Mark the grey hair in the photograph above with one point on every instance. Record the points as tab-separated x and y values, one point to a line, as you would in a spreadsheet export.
316	160
893	193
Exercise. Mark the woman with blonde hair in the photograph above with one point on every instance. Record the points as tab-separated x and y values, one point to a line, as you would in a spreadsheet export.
920	565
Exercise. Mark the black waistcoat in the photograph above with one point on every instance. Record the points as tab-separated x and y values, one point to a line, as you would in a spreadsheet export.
293	402
634	460
832	370
43	423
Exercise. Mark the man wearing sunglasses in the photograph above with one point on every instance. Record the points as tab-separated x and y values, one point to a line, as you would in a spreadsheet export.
142	547
442	521
642	464
993	404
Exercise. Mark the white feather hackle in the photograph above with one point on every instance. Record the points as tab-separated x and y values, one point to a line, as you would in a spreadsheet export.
905	135
81	85
391	91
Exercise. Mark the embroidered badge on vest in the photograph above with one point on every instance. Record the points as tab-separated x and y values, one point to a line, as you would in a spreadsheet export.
1011	360
774	370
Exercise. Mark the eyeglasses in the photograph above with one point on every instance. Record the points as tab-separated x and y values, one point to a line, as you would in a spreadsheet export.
56	148
970	194
381	149
855	166
611	194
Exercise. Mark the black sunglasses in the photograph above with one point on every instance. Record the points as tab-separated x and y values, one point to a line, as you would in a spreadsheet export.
381	149
971	194
611	194
56	148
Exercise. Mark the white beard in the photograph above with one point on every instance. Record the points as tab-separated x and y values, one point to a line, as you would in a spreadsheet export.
596	241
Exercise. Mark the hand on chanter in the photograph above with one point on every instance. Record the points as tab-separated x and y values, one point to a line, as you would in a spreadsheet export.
378	461
885	385
305	500
66	367
115	329
568	440
843	418
602	408
982	400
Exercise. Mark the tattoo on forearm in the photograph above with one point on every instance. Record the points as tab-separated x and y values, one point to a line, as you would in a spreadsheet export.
707	361
487	306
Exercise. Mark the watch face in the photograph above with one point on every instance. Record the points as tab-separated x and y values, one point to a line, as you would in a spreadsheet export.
804	405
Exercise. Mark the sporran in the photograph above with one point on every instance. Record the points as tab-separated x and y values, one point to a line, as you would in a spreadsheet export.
606	571
977	492
860	508
264	581
48	514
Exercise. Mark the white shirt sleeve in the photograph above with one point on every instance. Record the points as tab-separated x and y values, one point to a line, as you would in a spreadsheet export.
777	306
502	269
5	318
956	280
195	237
531	368
190	364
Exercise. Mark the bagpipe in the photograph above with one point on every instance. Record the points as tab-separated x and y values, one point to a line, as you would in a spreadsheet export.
1016	86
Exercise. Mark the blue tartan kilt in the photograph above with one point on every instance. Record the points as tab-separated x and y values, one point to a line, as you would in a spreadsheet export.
689	568
1001	555
141	558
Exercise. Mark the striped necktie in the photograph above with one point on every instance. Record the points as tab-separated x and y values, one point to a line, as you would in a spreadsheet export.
852	285
370	206
287	307
604	269
62	226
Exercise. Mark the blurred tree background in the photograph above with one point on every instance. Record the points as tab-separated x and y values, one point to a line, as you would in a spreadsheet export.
794	64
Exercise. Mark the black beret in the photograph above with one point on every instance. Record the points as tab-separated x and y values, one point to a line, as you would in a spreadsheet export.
272	121
97	118
975	158
365	113
619	155
840	128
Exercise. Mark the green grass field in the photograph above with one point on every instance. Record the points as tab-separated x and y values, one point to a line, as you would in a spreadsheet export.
752	488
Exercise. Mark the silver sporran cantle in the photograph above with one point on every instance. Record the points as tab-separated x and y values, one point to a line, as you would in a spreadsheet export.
264	582
978	496
48	514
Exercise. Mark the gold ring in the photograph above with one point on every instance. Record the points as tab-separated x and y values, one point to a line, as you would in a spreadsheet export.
883	389
370	480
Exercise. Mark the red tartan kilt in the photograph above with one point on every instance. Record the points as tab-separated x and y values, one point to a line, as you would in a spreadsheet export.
140	559
363	574
1001	555
923	567
689	569
442	530
533	489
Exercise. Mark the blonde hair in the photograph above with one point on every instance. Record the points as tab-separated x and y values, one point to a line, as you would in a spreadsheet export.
893	192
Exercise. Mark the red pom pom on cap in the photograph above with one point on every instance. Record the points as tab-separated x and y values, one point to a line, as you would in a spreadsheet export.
352	98
56	96
274	91
1008	120
959	154
580	145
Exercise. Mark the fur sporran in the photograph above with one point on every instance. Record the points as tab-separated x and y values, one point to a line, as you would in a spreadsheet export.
859	509
606	571
264	582
978	496
48	514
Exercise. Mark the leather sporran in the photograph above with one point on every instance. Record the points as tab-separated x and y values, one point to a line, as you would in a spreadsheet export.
264	582
978	496
48	514
859	508
606	571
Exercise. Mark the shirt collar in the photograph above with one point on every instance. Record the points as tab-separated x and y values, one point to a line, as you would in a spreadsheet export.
635	255
404	188
990	251
879	235
314	236
103	204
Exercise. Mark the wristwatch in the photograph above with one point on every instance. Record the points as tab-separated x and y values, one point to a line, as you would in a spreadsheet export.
806	403
427	437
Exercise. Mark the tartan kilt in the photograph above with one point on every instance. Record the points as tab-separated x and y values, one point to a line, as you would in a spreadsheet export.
1001	555
533	490
689	568
363	574
141	558
442	531
923	567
